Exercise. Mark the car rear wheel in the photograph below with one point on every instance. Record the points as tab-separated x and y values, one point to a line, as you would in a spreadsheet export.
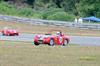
16	34
8	34
35	43
3	34
51	43
65	42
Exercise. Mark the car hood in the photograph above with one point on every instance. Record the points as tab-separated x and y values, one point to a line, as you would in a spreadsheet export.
44	36
14	31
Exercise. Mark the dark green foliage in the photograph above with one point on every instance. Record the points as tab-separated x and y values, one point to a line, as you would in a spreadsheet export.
31	3
24	12
51	9
63	16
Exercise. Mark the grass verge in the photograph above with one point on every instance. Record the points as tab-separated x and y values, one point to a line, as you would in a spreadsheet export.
28	55
27	28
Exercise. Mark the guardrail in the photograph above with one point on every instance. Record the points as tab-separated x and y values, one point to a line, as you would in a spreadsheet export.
50	22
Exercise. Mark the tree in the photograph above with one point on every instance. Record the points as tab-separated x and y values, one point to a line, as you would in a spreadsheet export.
31	3
89	7
58	3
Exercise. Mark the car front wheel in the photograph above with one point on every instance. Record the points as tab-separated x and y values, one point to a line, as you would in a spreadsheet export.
51	43
65	42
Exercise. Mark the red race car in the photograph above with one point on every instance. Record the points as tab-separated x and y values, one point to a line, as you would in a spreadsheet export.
50	39
9	32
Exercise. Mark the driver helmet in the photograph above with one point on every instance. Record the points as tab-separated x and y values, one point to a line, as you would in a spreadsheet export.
58	33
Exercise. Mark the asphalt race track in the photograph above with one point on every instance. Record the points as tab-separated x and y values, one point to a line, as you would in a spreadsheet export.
21	37
81	40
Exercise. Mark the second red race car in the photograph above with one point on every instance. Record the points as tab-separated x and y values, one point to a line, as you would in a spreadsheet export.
9	32
51	39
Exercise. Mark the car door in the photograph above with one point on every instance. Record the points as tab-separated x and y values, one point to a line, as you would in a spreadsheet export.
59	39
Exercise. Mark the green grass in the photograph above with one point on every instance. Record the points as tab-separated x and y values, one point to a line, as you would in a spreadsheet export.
88	58
26	54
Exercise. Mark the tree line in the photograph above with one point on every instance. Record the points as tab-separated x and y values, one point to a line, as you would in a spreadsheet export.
81	8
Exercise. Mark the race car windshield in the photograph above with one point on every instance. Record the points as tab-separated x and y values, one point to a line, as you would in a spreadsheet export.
48	34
